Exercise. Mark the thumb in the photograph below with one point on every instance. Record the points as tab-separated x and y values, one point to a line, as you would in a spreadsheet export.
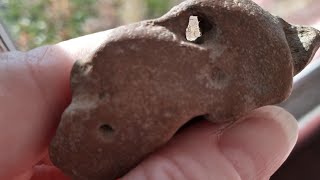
251	149
260	143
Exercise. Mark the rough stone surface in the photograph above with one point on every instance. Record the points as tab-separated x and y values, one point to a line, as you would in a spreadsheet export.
147	80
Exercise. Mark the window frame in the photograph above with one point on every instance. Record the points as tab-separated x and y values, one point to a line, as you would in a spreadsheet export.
305	96
6	44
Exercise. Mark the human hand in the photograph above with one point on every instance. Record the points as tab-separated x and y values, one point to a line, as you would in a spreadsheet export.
34	91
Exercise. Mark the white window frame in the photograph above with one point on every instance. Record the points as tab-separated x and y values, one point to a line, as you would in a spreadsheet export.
6	44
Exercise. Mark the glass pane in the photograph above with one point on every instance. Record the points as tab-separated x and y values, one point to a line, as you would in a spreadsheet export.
37	22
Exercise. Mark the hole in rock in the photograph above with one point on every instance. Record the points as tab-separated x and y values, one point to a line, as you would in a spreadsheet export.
106	130
197	27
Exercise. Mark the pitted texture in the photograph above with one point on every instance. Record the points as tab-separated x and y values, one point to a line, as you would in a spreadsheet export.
147	80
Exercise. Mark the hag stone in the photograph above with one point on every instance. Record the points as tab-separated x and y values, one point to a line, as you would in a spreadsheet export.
147	80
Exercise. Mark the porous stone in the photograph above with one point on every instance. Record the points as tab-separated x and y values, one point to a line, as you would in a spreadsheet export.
147	80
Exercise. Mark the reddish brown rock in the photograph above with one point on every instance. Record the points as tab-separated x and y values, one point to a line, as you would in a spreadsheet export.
147	80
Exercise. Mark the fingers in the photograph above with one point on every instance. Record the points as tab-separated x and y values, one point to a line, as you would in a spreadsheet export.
251	149
22	111
34	91
45	172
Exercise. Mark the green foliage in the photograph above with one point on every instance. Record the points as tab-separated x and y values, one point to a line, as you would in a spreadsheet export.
157	8
34	23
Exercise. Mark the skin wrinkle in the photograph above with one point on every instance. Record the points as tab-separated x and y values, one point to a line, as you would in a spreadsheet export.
175	164
202	166
47	48
194	160
15	60
61	64
269	166
20	60
167	172
258	157
29	61
164	162
219	147
217	132
227	159
41	173
26	175
213	144
32	72
231	162
145	172
40	53
260	172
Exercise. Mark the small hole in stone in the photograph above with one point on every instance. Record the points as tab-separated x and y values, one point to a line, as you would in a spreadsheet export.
106	130
102	95
193	31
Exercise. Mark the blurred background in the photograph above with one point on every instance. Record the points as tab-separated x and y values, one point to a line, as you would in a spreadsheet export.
37	22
